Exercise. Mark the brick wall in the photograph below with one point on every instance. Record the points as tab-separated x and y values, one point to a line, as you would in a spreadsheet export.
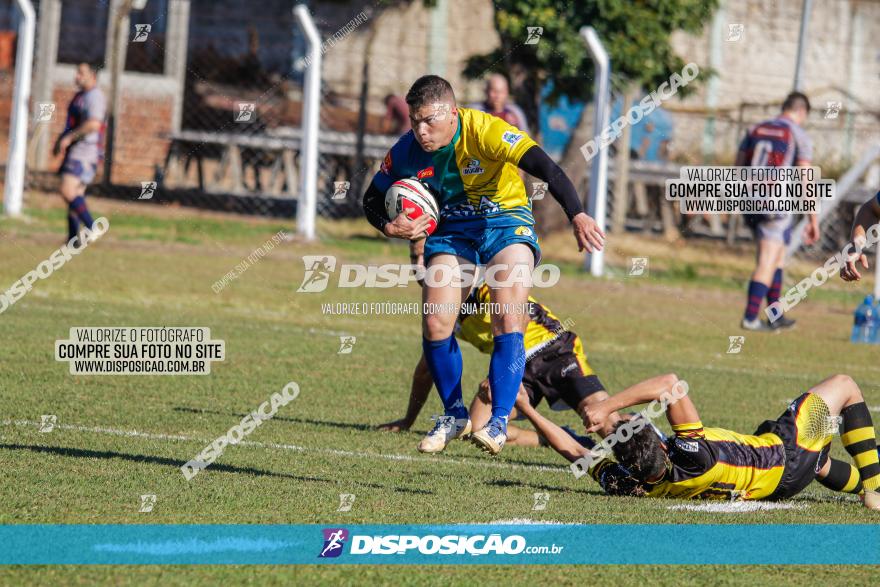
140	143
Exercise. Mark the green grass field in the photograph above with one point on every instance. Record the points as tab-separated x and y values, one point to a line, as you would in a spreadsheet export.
119	437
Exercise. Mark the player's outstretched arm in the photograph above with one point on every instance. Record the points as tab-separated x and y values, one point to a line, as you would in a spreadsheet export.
400	227
536	162
867	216
557	438
418	394
679	408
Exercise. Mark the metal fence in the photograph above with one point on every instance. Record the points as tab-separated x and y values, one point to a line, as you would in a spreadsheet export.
211	113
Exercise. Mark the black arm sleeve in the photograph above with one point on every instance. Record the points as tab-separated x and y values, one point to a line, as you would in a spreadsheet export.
374	207
537	163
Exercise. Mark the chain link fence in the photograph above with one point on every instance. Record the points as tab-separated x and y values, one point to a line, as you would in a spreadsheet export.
210	110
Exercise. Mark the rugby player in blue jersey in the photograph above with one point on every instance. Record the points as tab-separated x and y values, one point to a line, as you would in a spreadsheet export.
470	161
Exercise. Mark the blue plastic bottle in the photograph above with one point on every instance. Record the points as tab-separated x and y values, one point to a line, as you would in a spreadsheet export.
870	322
860	331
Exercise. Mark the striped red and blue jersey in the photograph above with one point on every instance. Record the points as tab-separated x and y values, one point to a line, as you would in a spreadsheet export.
778	142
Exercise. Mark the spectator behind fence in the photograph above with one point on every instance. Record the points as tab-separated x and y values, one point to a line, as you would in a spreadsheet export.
396	120
497	103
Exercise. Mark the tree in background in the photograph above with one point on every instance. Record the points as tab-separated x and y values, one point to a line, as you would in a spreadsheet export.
635	33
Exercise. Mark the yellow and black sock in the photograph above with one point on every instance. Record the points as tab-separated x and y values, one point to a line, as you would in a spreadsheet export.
860	442
842	477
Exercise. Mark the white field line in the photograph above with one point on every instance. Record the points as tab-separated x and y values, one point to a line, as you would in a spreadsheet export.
272	445
529	522
738	507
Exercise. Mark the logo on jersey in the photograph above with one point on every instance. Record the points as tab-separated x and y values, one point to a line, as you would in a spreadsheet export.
567	369
318	270
523	231
386	164
472	168
511	138
334	540
687	445
429	172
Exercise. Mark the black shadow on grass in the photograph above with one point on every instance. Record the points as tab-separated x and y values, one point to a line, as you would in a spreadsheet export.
154	460
362	427
509	483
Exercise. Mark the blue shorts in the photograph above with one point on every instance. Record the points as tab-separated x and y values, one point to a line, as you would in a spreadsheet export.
84	169
768	227
478	240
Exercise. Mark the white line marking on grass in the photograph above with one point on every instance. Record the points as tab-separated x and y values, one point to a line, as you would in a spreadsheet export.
527	522
273	445
738	507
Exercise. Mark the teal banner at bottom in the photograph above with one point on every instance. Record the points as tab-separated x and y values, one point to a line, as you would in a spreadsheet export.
158	544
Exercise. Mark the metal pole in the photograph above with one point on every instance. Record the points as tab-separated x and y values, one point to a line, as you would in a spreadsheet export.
305	209
116	60
21	93
877	274
802	45
599	171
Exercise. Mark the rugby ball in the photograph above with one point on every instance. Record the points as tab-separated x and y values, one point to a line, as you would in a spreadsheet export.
411	196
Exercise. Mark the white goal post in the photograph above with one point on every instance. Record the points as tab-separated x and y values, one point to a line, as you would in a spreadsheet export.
15	163
595	262
307	202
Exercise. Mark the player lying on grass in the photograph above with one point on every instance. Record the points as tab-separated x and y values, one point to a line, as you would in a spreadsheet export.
469	160
556	369
778	461
867	216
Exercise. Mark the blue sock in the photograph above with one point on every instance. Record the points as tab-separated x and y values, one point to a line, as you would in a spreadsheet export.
506	372
78	207
757	291
72	225
444	362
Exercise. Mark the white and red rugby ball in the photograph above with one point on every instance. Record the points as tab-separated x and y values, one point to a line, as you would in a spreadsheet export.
412	196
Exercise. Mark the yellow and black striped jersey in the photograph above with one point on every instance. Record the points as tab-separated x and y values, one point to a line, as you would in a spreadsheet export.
474	324
716	463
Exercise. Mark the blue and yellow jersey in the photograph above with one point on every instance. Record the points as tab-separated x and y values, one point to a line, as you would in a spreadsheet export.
474	176
715	463
475	327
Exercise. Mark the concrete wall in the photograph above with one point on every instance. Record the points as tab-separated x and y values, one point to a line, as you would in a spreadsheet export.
842	57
